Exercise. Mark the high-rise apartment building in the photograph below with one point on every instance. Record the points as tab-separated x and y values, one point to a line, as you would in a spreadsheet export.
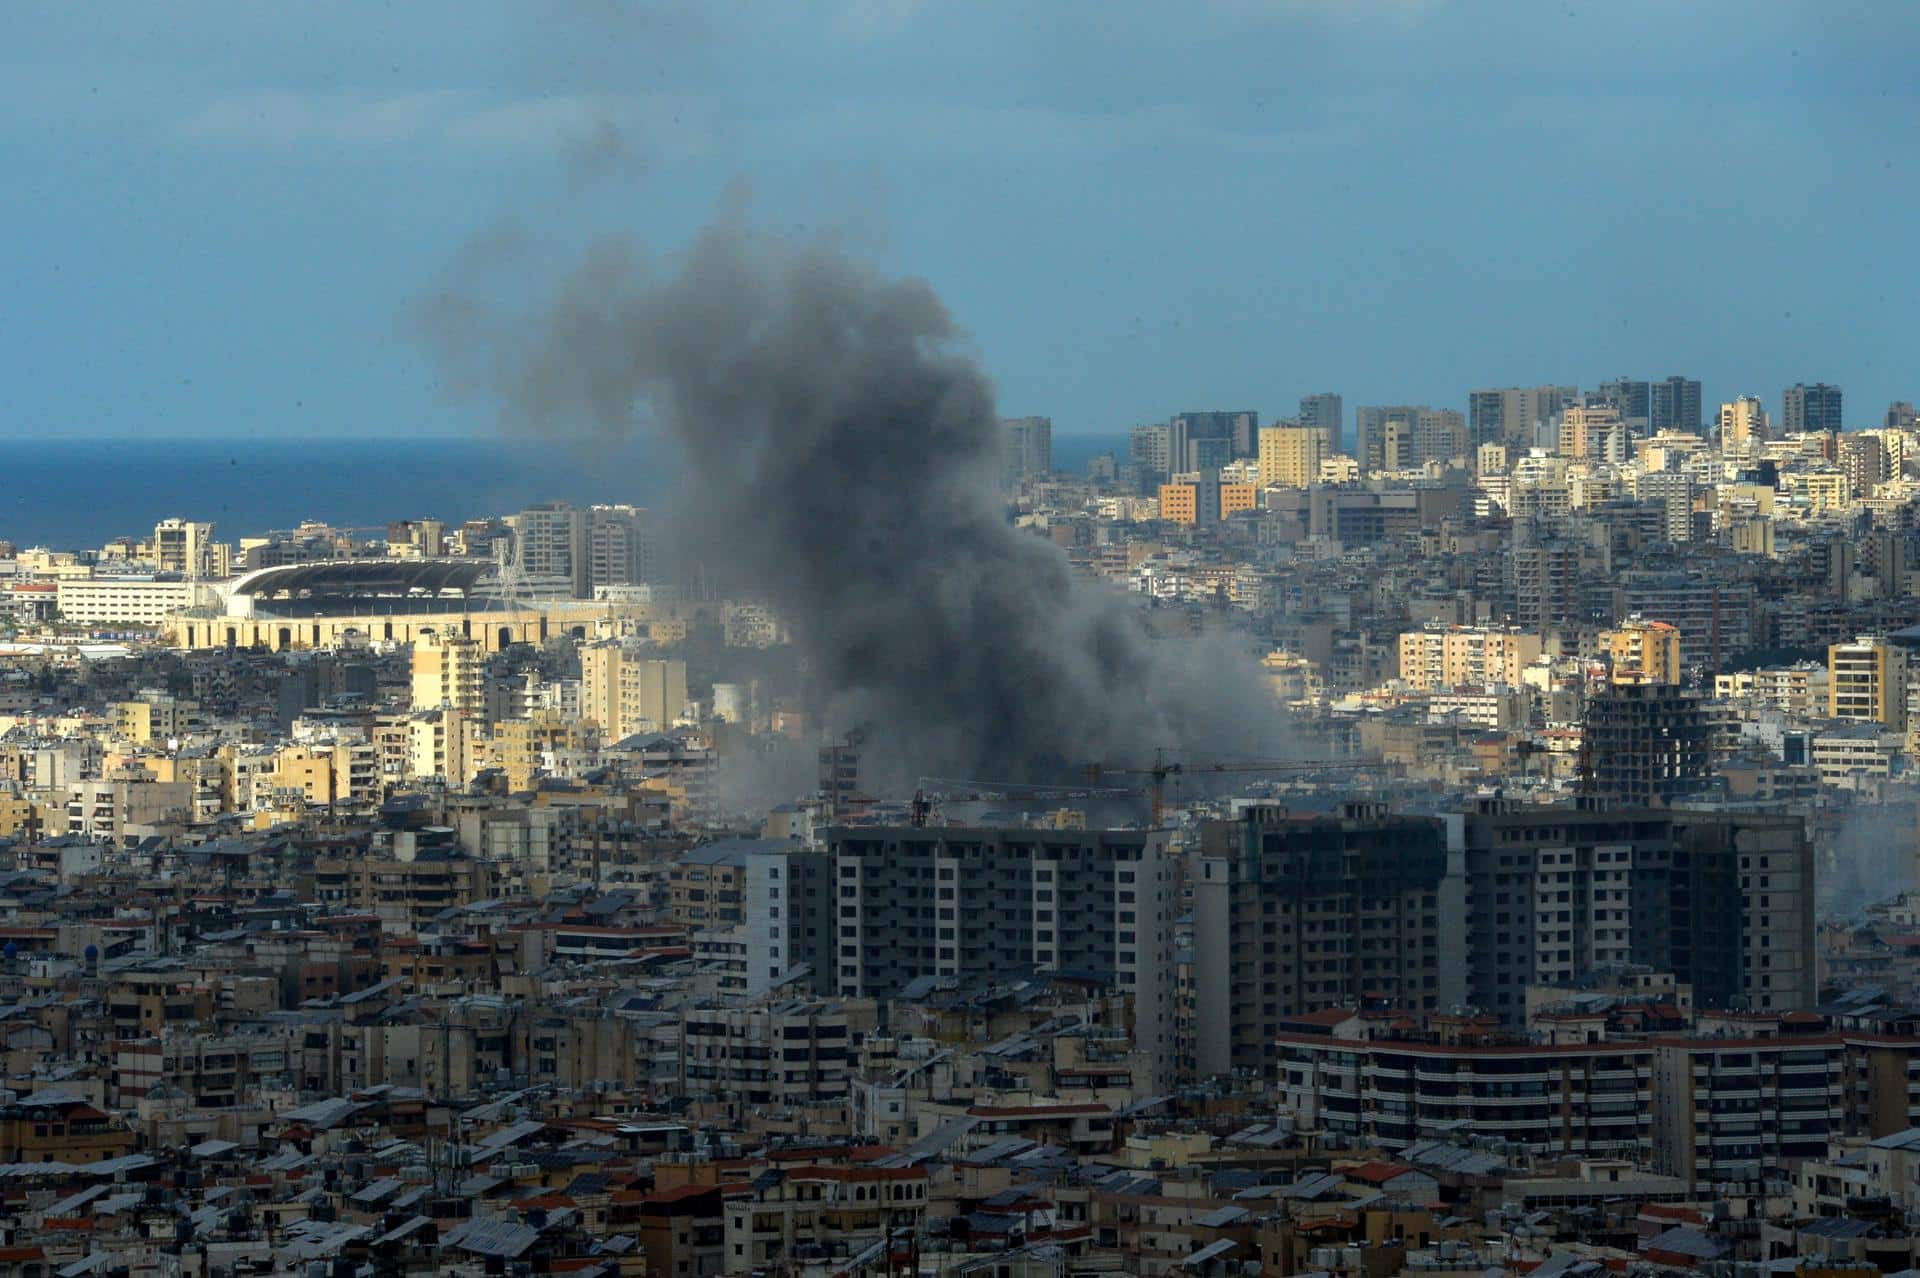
1236	427
1899	446
1673	403
1867	681
1633	399
1370	447
620	549
1595	432
1863	460
1290	456
1487	417
1158	451
1723	900
1515	415
789	916
625	690
1440	435
1405	436
185	547
1438	657
1295	913
1207	453
1901	416
1546	575
1392	449
1672	492
1715	618
974	903
1646	744
1026	449
1742	420
448	672
551	540
1806	408
1326	411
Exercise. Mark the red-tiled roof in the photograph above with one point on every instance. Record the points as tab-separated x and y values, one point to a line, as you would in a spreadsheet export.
1375	1173
1668	1211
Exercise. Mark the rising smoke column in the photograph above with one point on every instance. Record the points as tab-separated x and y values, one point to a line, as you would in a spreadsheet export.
840	456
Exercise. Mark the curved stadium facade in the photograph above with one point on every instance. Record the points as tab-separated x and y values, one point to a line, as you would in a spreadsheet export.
313	605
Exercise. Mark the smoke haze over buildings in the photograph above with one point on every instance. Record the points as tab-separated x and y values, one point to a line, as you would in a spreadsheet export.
839	449
1873	857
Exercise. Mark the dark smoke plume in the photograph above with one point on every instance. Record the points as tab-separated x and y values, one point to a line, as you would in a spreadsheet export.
840	452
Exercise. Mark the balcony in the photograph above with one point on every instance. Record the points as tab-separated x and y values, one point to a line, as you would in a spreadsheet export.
1543	1126
1541	1076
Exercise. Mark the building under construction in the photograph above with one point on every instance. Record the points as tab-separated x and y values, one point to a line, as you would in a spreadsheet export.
1646	744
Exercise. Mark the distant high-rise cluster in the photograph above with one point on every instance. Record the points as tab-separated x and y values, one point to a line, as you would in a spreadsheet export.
1325	412
1028	449
1806	408
581	550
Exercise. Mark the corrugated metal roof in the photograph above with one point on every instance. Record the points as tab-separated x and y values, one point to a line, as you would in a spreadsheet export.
497	1237
1211	1251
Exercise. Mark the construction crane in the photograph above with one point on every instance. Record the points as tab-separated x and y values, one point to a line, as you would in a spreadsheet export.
1163	768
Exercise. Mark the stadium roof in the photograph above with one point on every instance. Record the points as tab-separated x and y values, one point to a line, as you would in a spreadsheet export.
364	577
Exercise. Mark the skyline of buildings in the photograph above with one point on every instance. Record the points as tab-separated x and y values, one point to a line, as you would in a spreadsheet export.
1599	825
762	813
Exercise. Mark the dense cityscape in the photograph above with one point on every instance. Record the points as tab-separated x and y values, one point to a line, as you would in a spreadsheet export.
509	895
618	658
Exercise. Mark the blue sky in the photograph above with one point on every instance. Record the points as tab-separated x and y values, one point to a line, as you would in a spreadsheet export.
217	213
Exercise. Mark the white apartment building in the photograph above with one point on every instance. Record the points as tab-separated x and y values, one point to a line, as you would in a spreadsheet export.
130	601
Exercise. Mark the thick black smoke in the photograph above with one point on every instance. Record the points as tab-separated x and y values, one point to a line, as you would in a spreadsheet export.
840	455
